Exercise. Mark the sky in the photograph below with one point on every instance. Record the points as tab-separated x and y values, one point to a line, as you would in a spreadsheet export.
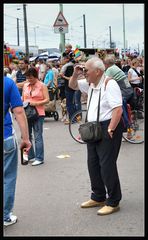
99	19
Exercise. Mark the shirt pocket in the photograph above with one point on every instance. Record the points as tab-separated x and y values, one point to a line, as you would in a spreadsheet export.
9	145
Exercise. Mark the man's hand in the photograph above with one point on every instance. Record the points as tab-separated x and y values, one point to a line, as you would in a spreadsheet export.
78	69
25	144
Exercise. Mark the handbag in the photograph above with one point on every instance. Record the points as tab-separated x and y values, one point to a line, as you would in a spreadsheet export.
91	131
31	112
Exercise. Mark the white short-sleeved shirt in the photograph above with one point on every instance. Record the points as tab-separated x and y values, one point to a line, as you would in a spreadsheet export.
134	75
110	98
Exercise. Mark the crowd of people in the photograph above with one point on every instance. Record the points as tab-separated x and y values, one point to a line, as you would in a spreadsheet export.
75	79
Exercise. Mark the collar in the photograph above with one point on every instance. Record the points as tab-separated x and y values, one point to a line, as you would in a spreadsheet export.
99	84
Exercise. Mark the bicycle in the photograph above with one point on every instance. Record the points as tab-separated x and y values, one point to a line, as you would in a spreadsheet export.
135	131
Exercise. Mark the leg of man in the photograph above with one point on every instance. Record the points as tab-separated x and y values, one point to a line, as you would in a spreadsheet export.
97	184
77	96
108	151
70	102
102	157
10	174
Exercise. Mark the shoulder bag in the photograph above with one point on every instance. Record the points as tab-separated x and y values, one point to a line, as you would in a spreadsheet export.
91	131
31	112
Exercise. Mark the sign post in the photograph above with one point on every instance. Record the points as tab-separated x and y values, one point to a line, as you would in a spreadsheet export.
61	26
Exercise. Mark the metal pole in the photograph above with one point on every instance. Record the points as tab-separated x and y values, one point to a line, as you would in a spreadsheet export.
26	32
110	36
35	35
123	29
18	38
84	31
62	35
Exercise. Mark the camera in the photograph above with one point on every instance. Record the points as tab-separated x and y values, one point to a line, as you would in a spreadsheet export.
82	68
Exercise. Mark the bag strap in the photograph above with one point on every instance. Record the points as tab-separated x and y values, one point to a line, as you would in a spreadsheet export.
98	105
139	74
106	81
88	105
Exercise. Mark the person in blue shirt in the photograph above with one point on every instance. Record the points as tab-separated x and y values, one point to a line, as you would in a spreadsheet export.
49	80
12	100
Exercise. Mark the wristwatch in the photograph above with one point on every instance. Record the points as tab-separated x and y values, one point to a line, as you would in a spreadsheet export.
110	130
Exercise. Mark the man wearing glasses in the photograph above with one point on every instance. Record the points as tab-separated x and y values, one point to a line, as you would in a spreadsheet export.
102	155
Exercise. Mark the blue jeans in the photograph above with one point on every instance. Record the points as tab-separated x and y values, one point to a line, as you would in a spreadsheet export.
70	102
77	98
10	174
37	127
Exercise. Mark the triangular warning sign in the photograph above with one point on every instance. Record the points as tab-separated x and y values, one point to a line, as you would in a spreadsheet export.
60	20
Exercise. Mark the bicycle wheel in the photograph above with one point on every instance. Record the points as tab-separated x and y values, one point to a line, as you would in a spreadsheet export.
77	119
135	133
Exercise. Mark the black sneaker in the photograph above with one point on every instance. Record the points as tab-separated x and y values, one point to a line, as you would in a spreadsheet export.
11	220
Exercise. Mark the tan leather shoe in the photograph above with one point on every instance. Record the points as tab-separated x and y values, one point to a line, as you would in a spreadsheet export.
107	210
91	203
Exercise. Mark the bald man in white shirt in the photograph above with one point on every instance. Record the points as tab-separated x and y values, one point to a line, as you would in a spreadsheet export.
102	155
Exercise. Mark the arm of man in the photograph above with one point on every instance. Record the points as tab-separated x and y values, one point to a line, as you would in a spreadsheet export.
73	81
23	125
114	97
116	116
45	100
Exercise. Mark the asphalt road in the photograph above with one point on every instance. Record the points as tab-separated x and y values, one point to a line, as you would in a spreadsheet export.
48	196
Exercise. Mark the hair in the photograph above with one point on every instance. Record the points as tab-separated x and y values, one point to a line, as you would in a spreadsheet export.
97	63
68	45
109	59
118	63
32	72
49	65
26	61
135	60
6	70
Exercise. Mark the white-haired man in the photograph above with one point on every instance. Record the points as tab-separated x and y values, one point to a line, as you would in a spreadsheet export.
102	155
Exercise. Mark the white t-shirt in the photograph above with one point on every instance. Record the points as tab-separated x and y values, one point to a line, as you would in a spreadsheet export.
134	75
110	98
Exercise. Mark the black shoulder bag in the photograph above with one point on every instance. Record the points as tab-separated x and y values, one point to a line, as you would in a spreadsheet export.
31	112
91	131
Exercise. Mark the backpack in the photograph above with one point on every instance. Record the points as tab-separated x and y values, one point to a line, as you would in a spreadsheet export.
126	115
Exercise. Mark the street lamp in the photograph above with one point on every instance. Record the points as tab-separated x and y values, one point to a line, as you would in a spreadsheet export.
123	28
18	35
26	31
35	34
84	24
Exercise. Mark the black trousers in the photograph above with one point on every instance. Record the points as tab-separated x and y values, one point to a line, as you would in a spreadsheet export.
102	167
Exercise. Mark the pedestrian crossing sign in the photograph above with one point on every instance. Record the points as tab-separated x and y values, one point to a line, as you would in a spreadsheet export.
60	24
60	21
